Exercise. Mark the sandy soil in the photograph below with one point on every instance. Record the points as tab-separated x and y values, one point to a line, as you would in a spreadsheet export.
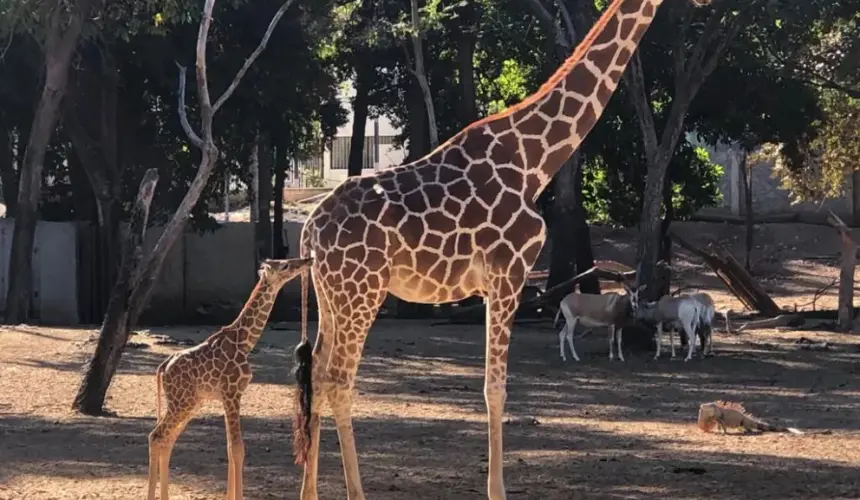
605	430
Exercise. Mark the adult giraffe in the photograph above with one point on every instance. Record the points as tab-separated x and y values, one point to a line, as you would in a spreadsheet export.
459	222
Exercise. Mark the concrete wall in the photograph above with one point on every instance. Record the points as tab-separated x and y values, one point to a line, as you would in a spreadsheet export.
207	277
768	196
55	297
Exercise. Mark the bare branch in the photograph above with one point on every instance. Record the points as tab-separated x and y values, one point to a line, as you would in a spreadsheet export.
253	57
183	114
202	80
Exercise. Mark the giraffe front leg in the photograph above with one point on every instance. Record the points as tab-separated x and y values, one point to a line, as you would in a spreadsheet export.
501	307
235	451
619	332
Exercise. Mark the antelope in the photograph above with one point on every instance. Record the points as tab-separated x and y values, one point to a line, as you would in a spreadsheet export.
684	311
609	309
707	311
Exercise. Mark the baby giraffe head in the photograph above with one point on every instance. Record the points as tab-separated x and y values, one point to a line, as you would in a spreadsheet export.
278	272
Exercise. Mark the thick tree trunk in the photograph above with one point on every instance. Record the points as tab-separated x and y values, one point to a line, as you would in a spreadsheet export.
359	121
466	43
264	199
855	193
116	326
8	173
419	142
571	241
748	212
280	246
59	48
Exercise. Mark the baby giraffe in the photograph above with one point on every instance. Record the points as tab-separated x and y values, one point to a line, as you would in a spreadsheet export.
216	369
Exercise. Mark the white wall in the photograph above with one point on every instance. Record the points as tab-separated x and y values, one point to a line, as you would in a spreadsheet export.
55	294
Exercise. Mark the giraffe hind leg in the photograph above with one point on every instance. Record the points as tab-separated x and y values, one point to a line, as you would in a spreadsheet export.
351	328
321	355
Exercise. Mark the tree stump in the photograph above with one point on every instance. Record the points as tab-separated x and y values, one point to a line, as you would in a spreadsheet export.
846	272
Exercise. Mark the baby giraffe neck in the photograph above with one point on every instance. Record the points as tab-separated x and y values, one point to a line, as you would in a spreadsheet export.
252	320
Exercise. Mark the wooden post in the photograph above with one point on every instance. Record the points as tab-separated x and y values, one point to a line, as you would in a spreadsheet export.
846	273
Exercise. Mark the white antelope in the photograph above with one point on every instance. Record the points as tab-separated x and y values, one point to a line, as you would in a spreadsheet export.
673	311
592	310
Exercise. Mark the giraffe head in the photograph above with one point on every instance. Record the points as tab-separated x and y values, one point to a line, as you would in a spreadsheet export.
279	272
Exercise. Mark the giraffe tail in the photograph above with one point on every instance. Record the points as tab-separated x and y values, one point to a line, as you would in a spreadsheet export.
304	384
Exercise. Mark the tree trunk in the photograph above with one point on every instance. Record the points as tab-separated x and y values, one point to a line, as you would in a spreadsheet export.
59	48
8	173
421	75
748	212
855	193
254	192
359	120
116	326
466	43
419	143
264	199
846	273
280	245
571	239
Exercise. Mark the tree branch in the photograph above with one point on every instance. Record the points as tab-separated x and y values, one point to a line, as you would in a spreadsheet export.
206	113
568	23
680	49
634	80
712	27
183	115
253	57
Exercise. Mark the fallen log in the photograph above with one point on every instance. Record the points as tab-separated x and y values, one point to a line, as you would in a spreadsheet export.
735	277
792	320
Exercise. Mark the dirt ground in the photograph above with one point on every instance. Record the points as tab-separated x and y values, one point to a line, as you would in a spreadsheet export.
605	430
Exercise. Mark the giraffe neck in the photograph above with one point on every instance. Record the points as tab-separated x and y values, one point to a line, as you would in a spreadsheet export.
251	321
552	123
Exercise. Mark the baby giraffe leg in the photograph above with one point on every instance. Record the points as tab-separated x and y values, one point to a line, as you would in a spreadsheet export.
235	450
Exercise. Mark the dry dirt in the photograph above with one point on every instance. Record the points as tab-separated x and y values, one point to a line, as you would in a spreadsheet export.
605	430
